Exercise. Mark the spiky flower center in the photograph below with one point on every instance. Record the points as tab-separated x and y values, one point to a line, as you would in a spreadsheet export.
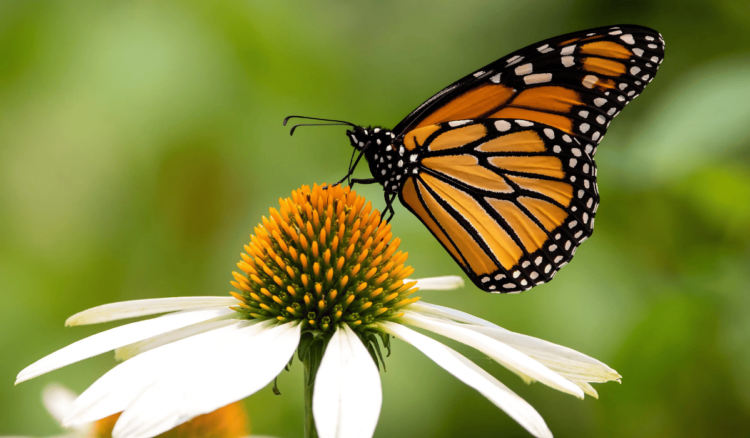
323	258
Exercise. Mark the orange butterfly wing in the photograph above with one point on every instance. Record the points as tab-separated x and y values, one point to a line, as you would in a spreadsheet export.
576	83
507	180
509	199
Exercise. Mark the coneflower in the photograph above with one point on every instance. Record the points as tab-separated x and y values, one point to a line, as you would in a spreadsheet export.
322	277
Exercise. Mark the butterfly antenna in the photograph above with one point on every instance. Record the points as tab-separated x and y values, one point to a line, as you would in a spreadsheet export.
314	124
315	118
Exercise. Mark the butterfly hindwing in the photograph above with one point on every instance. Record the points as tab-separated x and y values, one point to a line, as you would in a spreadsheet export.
576	83
509	199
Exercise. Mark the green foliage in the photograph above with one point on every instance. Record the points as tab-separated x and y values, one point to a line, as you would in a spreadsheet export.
140	142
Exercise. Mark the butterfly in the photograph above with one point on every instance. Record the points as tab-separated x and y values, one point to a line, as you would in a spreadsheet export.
499	165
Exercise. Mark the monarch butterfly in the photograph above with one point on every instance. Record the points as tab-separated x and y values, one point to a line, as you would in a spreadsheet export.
499	165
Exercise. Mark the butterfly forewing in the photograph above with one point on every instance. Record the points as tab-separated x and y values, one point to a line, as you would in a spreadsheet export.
509	199
576	83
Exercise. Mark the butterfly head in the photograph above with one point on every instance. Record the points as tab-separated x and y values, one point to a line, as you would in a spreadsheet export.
369	137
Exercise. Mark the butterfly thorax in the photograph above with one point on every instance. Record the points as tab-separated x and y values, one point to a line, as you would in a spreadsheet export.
389	161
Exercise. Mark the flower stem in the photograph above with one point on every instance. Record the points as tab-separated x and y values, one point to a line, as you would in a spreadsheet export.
309	382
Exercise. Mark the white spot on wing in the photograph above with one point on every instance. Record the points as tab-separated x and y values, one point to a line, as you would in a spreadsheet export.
539	78
589	81
628	39
567	61
455	123
495	79
545	48
568	50
524	69
502	125
514	60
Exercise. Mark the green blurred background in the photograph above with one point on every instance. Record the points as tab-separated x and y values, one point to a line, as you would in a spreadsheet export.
141	141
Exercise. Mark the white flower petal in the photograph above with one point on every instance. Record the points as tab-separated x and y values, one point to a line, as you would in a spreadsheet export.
472	375
448	313
447	282
155	412
588	389
514	360
119	387
237	368
567	362
115	338
563	360
347	397
132	309
58	400
132	350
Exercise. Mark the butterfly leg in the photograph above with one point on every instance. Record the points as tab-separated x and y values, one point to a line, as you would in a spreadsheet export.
362	181
351	167
389	198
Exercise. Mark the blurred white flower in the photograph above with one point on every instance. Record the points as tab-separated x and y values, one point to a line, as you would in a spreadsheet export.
227	422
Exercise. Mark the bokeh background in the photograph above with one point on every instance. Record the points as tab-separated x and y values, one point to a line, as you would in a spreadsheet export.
141	141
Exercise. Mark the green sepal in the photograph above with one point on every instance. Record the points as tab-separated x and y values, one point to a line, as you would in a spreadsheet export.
275	388
370	340
312	345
